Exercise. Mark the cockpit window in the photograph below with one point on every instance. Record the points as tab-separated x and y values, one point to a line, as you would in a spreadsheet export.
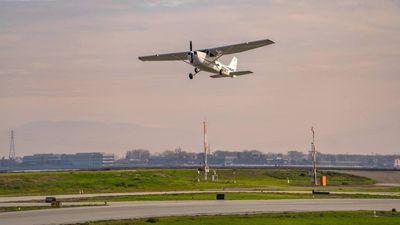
209	53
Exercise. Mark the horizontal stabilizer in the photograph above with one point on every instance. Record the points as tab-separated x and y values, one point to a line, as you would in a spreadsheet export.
232	74
219	76
239	73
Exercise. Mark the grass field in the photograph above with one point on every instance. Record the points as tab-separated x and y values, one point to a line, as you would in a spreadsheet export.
315	218
70	182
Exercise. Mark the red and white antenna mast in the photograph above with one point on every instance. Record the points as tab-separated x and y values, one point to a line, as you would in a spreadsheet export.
11	154
206	150
314	158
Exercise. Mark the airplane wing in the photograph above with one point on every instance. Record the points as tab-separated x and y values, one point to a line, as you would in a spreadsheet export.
218	52
165	57
231	49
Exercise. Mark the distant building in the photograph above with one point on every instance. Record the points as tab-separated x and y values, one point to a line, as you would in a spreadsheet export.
229	160
180	158
8	164
226	158
397	163
92	160
43	161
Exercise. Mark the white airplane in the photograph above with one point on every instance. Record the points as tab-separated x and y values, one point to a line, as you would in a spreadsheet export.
206	59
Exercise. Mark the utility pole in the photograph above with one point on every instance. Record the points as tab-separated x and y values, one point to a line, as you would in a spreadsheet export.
11	154
206	169
314	158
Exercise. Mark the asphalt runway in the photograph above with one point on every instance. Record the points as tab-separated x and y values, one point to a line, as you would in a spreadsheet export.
4	199
383	178
125	210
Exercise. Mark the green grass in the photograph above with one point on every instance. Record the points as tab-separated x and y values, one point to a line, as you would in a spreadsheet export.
228	196
50	183
314	218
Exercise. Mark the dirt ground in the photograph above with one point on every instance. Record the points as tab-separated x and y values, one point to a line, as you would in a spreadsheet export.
383	178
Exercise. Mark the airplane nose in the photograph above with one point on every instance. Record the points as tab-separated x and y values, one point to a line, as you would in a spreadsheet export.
191	56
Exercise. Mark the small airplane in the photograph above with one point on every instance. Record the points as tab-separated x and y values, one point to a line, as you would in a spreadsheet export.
207	59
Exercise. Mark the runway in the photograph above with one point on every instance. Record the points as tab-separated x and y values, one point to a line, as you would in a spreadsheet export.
125	210
77	196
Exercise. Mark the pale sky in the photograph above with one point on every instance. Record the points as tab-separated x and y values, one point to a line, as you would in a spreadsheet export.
70	80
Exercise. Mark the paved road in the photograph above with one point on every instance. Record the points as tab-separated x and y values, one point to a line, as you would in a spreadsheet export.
383	178
41	198
21	204
124	210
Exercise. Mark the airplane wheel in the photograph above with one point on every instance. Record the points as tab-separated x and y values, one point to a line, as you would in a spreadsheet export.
190	76
196	70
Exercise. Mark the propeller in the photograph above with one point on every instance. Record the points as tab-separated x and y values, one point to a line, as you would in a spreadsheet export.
191	52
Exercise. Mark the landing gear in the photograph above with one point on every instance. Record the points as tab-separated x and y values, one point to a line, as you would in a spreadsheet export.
196	71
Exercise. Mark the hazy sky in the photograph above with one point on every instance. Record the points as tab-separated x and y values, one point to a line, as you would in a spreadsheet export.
70	79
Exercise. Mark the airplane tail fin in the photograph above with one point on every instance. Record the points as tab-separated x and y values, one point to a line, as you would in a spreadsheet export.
233	64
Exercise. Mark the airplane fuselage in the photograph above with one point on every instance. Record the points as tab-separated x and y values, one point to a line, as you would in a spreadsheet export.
207	63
